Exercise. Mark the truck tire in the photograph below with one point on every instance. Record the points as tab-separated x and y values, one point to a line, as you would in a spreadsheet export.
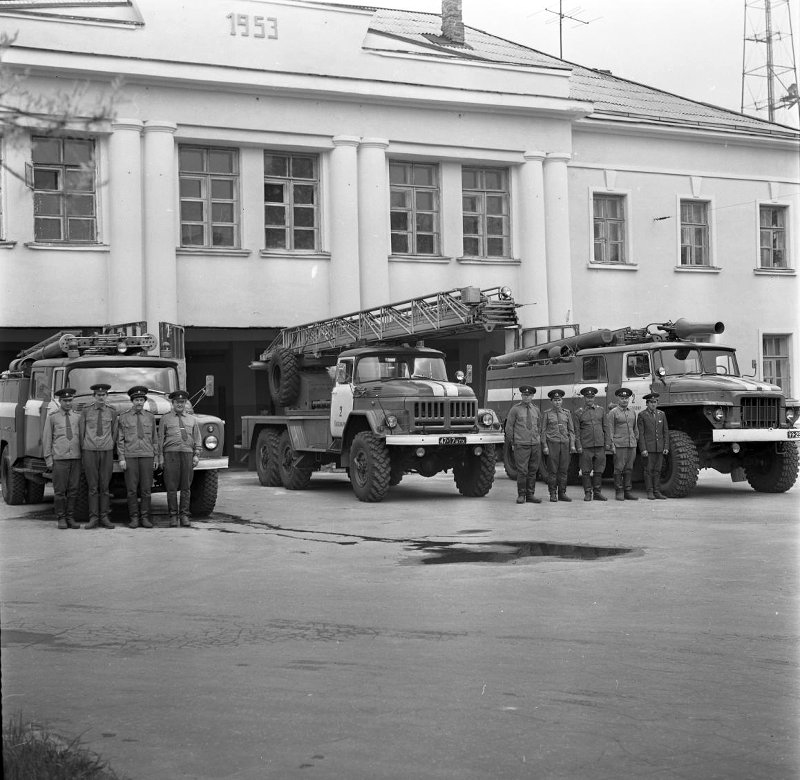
474	476
204	493
777	472
269	474
370	467
681	466
283	376
292	478
34	492
13	483
508	462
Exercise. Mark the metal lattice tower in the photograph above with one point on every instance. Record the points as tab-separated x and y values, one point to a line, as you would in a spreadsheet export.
769	71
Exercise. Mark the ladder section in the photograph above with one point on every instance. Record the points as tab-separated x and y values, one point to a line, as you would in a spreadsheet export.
460	310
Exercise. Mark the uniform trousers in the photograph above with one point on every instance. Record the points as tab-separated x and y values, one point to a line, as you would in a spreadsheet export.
178	477
557	464
593	459
98	466
139	483
527	458
66	479
652	466
623	466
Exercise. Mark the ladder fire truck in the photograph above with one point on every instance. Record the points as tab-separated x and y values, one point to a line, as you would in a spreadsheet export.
118	358
360	392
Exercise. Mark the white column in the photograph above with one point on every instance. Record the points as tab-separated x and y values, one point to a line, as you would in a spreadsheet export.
344	271
161	269
559	268
533	247
126	260
373	222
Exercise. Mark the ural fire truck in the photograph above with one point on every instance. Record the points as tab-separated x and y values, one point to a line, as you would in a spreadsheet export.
718	419
361	393
75	360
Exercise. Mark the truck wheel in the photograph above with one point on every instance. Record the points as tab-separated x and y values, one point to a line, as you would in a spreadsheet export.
13	483
204	493
292	478
681	466
370	467
474	476
34	492
776	472
508	462
283	376
269	474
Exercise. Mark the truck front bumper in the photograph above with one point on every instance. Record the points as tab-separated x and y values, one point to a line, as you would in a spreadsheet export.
757	435
443	440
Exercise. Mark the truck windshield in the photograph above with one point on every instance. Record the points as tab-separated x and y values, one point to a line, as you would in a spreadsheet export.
160	379
378	368
720	361
690	360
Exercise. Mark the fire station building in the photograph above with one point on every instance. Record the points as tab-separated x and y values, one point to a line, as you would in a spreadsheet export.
272	162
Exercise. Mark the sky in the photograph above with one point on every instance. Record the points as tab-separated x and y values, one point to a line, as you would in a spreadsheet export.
693	48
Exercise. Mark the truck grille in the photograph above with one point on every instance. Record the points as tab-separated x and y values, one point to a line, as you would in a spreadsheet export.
445	414
760	412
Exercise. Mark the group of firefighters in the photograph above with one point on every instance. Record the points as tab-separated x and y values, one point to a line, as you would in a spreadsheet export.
591	432
83	442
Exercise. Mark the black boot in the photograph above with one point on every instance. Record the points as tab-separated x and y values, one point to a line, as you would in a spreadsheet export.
597	488
587	488
648	484
562	494
627	494
531	499
553	494
619	490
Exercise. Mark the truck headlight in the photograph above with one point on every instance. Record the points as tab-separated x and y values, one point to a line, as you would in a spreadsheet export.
390	421
487	418
791	413
211	442
719	414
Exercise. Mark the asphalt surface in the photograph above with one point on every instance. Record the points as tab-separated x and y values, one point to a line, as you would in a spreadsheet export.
307	635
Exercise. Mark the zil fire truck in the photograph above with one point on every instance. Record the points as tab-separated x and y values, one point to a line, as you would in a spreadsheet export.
718	419
75	360
361	393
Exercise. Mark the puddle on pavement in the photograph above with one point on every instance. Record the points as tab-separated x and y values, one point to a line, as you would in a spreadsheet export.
504	552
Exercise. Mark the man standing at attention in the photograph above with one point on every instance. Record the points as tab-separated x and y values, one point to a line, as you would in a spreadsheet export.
137	445
624	434
653	444
179	444
522	436
98	432
591	442
62	455
558	442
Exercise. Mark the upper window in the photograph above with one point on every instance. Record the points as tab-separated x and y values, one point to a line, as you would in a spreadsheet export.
414	208
694	233
291	201
484	200
637	364
209	192
64	199
773	237
594	368
777	362
609	229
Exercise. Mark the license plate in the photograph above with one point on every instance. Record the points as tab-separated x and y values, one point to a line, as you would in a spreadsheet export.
452	440
793	434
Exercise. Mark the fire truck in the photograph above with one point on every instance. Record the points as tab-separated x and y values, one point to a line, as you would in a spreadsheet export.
718	418
362	393
75	360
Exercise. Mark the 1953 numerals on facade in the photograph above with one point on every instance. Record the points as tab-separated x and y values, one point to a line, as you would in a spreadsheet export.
246	26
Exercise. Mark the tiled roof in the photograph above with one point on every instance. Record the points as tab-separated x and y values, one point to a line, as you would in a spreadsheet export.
611	96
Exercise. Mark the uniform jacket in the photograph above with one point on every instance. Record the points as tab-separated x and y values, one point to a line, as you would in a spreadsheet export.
171	438
517	430
55	443
590	427
90	440
129	444
622	428
653	431
557	425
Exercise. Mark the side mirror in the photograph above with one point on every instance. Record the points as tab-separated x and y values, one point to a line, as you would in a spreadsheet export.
208	391
468	377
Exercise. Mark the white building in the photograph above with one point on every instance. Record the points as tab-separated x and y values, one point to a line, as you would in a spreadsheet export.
276	162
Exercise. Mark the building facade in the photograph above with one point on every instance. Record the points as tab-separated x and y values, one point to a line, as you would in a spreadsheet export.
275	162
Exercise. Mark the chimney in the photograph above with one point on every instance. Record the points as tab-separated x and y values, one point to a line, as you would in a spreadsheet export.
452	25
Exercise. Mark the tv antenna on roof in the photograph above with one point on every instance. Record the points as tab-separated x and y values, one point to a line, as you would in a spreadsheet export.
561	14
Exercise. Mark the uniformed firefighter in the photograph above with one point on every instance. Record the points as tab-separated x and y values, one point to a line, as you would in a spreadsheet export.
137	445
179	444
558	442
623	433
591	441
523	438
62	455
653	444
98	432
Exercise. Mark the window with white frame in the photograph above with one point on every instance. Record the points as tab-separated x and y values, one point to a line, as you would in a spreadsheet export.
291	201
776	361
64	189
209	196
485	212
608	214
414	214
694	233
772	240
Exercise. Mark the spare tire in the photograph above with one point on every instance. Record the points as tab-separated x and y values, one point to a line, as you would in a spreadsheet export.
284	376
